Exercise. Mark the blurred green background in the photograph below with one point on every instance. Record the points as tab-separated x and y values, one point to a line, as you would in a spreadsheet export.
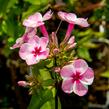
92	45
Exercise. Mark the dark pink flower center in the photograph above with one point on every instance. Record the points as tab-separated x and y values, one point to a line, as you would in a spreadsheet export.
36	51
76	76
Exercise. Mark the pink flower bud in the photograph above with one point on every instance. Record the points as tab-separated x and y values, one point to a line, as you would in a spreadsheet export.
55	51
23	83
57	69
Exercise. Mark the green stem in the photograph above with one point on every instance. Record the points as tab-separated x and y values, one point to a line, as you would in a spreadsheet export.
56	96
56	86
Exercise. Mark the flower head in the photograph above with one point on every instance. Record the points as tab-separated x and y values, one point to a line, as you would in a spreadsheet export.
76	76
36	19
72	19
34	50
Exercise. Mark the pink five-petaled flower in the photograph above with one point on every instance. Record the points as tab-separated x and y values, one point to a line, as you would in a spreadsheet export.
72	19
36	20
76	77
34	50
29	33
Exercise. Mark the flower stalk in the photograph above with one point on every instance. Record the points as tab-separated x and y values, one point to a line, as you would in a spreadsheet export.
44	31
68	33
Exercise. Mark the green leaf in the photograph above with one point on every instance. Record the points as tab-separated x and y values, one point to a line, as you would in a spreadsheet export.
6	4
105	74
40	98
84	53
48	82
47	105
85	33
10	25
45	74
37	2
51	104
50	63
3	6
11	3
31	10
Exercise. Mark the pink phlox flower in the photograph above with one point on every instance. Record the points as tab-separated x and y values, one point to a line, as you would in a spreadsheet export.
29	33
72	19
76	77
34	50
36	19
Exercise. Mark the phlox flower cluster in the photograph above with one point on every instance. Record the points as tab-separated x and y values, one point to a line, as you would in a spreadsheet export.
76	75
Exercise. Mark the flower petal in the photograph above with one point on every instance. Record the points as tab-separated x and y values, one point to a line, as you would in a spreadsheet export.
67	85
43	42
82	22
30	59
71	17
34	20
34	41
29	23
18	43
79	88
30	33
80	65
62	15
87	77
44	54
25	50
47	15
38	16
67	71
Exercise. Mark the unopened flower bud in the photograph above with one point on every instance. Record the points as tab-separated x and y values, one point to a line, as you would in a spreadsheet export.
55	51
23	83
71	40
57	69
71	46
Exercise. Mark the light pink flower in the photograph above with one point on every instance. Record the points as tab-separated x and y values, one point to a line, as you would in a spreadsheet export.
34	50
36	20
76	77
72	19
29	33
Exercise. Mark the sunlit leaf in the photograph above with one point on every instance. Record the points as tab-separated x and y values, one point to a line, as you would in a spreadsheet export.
37	2
47	105
51	104
45	74
40	98
105	74
84	53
